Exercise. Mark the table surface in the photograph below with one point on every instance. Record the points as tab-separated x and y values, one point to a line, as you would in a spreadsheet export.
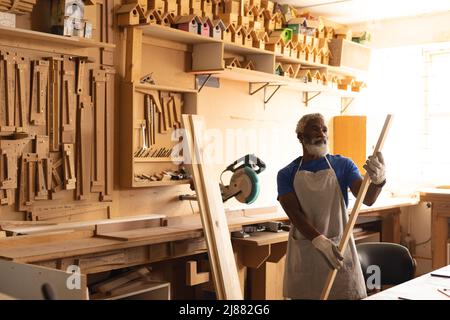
424	287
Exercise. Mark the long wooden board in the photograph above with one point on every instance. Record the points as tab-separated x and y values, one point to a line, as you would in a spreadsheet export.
223	265
355	211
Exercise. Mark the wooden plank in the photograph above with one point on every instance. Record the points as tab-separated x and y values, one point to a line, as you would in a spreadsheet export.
157	233
69	167
54	103
109	134
133	55
355	211
99	91
68	101
85	137
223	265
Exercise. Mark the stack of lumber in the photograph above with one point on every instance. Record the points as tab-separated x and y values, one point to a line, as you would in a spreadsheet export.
121	284
17	6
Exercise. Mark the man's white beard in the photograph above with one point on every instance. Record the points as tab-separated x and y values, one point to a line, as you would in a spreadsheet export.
320	150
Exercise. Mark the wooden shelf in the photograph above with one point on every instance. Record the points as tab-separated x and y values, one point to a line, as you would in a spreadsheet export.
16	33
167	33
240	49
147	160
148	87
145	184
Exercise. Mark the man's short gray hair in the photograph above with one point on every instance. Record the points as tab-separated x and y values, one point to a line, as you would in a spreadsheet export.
305	119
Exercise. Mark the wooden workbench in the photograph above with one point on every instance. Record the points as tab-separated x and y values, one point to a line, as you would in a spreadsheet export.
440	213
108	250
263	253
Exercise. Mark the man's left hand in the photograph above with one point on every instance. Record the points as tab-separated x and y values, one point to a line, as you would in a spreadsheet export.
375	168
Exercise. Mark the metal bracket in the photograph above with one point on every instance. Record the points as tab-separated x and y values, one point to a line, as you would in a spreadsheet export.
307	99
204	82
263	85
345	103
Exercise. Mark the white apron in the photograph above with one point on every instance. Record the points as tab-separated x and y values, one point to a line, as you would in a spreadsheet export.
306	270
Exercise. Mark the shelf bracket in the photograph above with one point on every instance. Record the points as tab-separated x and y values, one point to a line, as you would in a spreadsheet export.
263	85
307	99
266	100
251	84
345	103
204	82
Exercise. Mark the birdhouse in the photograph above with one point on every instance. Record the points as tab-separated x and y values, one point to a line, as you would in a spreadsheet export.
309	40
204	28
325	56
286	51
229	33
259	39
357	86
269	20
256	4
247	37
195	7
294	49
130	14
314	55
243	21
165	19
311	27
296	68
231	6
158	5
324	79
329	32
238	36
297	25
288	71
279	21
216	32
304	75
303	52
275	44
279	69
258	19
182	7
345	83
333	81
232	62
285	34
267	5
207	8
152	16
249	14
216	6
170	7
188	23
317	77
229	18
247	64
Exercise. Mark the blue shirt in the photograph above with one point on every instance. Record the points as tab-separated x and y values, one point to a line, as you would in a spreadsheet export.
345	169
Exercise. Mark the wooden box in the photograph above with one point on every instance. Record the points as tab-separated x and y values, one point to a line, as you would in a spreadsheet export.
349	138
349	54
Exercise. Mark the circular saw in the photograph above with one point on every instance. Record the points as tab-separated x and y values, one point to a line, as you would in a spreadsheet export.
244	183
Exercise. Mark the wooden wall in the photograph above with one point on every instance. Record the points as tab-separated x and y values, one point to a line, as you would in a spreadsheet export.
247	125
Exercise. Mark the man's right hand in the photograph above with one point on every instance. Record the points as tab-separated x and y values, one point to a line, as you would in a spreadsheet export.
329	250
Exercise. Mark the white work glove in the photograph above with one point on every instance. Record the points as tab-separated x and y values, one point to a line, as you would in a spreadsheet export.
375	168
329	250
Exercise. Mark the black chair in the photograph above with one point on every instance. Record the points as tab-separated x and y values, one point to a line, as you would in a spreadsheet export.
395	262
